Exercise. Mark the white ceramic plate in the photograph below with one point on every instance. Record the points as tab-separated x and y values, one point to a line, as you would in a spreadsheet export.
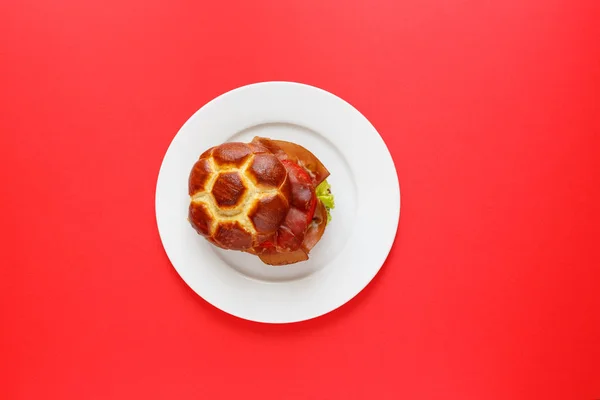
357	240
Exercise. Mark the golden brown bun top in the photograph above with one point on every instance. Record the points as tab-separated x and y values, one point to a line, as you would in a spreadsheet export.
239	195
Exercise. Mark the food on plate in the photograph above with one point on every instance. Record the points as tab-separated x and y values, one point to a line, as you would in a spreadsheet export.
268	197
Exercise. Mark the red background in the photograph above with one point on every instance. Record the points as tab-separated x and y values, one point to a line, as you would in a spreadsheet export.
491	110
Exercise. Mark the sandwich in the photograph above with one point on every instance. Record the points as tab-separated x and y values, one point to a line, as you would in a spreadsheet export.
268	197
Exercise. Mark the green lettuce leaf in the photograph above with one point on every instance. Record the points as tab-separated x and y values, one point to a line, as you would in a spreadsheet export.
324	194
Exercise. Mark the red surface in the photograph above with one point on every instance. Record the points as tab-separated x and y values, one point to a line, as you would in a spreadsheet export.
491	110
